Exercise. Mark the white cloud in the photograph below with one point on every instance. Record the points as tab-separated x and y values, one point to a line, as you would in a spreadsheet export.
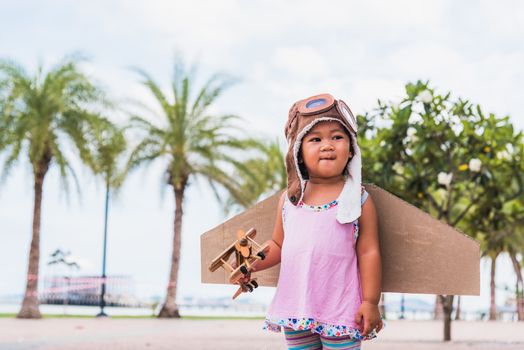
301	63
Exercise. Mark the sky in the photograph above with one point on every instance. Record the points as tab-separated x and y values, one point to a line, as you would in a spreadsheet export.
278	52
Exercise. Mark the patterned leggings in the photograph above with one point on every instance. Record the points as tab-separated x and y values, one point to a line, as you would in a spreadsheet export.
310	341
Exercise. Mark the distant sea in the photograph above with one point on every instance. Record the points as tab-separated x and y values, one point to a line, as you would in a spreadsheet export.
215	311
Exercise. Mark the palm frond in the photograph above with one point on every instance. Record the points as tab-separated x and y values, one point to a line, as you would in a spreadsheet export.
156	91
212	89
218	176
144	153
39	111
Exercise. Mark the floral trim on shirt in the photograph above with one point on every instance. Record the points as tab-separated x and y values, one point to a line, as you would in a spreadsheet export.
318	207
322	207
355	223
321	328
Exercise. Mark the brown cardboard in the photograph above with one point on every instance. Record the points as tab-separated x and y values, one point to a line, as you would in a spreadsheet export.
262	217
420	254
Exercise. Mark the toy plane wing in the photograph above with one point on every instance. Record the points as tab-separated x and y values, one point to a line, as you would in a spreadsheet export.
420	254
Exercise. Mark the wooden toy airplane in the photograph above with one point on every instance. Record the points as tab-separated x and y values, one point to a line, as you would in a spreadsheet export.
245	257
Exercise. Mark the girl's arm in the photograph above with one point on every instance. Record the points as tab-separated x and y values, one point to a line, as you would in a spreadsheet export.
275	243
368	252
274	246
370	267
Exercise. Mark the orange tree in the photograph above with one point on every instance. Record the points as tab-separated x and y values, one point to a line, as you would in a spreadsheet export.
436	153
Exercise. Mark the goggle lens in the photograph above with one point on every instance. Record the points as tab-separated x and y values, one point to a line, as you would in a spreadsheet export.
316	103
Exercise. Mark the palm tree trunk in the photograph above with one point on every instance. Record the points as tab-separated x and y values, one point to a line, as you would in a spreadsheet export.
493	305
437	311
170	309
382	306
29	307
519	292
447	306
457	313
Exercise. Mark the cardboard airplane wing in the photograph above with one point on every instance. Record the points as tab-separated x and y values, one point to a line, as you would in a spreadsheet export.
420	254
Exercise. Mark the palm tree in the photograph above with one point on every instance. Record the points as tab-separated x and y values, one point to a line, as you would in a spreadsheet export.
259	176
193	144
516	247
493	253
39	114
519	286
504	240
507	238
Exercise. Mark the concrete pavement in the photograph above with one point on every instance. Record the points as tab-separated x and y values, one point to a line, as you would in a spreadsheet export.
115	334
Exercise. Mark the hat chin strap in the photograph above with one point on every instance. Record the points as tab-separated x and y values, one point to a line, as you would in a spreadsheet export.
349	206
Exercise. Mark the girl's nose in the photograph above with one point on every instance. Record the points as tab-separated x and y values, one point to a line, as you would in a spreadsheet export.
327	147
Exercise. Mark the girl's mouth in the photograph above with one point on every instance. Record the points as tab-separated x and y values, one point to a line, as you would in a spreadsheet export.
328	156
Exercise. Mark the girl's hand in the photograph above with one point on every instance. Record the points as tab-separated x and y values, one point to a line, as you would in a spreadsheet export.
244	278
368	317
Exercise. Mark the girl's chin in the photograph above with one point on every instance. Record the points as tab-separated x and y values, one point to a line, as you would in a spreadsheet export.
328	173
329	165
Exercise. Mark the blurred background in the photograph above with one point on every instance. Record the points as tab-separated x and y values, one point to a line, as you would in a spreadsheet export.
155	84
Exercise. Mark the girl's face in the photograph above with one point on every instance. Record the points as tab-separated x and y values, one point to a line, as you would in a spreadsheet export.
325	150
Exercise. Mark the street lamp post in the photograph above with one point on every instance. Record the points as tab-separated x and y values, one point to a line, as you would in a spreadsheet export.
103	292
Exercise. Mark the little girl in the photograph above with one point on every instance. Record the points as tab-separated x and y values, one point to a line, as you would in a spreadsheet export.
325	236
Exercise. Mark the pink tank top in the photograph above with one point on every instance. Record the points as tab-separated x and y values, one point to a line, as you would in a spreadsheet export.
319	283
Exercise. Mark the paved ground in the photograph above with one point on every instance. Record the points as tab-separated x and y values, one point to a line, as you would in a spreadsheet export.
116	334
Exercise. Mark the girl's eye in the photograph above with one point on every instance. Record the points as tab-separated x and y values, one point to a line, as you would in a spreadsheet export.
317	139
